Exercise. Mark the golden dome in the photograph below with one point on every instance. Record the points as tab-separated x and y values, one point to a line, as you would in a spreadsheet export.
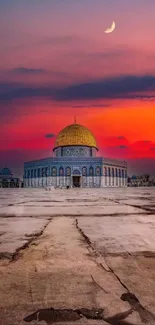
75	135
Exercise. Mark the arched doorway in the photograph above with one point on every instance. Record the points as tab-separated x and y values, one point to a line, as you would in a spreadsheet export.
76	178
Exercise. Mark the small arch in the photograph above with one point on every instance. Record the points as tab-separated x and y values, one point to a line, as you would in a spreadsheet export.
105	171
68	171
84	171
61	171
122	173
116	173
109	171
98	171
35	173
119	173
54	171
113	176
42	172
46	171
91	171
31	173
38	172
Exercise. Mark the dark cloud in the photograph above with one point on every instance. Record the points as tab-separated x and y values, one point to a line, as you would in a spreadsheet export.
91	106
11	91
110	88
34	71
121	87
122	147
25	71
146	141
121	137
49	135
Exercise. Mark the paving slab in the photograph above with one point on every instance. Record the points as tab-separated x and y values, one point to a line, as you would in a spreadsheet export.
59	272
71	249
134	234
15	232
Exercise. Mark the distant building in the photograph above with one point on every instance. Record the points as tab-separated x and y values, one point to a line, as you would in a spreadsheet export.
133	181
143	180
7	179
75	164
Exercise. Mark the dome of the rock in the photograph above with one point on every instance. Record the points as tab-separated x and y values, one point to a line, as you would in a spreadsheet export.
75	135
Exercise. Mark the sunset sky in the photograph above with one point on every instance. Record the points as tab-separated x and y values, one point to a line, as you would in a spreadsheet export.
56	62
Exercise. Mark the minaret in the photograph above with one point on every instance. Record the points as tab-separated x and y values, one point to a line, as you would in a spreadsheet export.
74	119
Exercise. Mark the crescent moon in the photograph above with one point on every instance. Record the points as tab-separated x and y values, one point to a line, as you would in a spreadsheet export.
111	29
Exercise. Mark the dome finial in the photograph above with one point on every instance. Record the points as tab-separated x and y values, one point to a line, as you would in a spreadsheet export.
74	119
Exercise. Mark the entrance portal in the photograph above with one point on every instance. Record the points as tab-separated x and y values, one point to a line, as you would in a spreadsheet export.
76	181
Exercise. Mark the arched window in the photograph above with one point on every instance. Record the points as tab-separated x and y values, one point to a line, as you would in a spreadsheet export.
113	176
42	172
38	172
46	171
126	173
84	171
109	172
122	173
68	171
98	171
119	173
116	173
105	171
35	173
54	171
91	171
61	171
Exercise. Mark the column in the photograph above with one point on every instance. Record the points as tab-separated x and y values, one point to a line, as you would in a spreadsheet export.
103	181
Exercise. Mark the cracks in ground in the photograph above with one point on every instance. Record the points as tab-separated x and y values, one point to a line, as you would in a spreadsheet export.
145	315
91	248
19	251
50	315
145	208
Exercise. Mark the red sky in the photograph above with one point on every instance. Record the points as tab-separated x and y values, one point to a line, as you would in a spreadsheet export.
56	62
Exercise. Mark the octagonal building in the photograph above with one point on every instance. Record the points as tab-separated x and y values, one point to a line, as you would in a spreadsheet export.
75	163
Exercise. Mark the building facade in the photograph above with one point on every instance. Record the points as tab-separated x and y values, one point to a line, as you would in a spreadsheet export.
75	164
7	179
142	180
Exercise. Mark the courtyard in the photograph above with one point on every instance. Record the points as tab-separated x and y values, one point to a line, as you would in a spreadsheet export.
82	252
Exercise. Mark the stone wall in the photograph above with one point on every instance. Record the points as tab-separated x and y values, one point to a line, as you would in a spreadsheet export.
86	181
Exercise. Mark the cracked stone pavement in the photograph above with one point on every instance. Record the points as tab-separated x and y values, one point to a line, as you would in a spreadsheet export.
77	250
